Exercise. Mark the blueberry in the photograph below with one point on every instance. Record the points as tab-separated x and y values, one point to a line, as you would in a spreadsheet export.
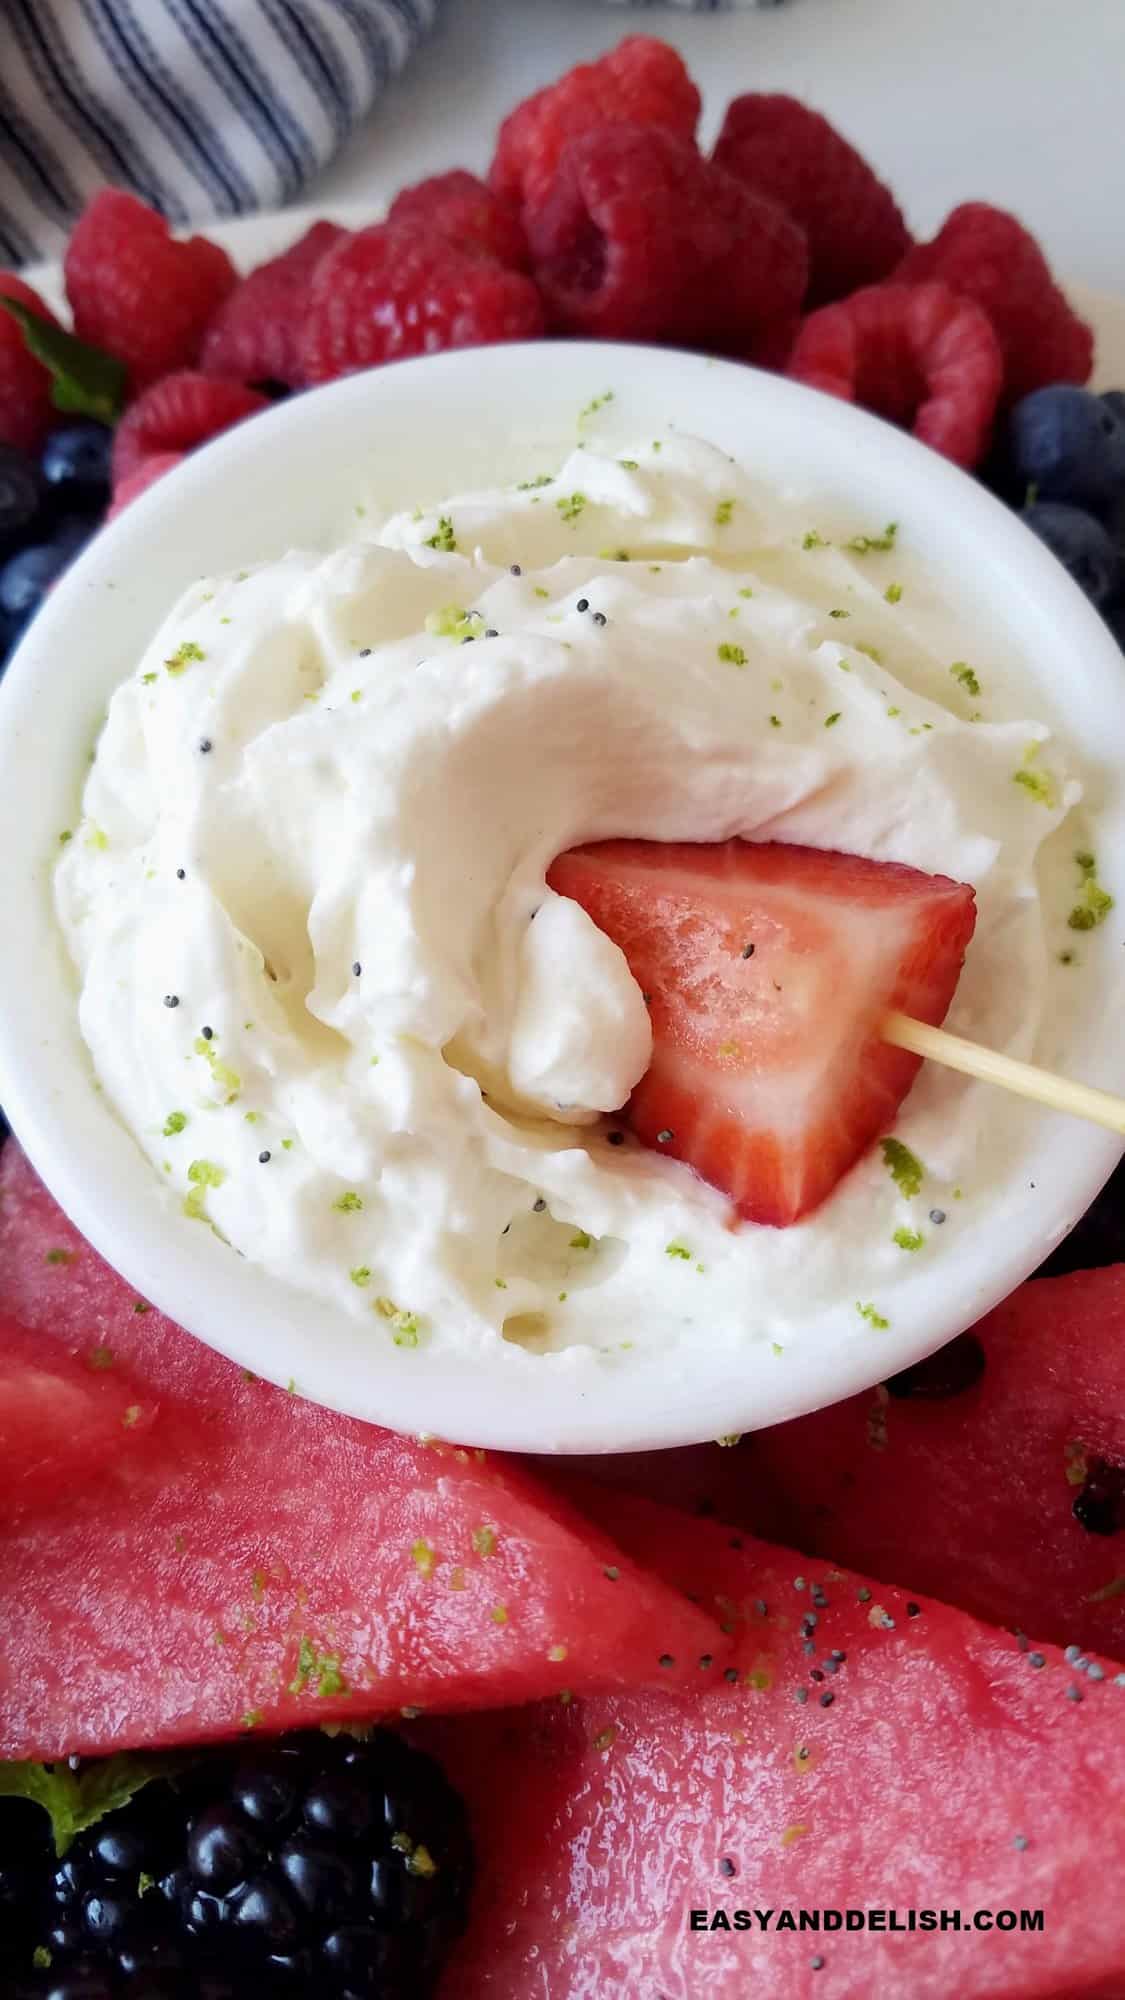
26	577
21	496
1114	399
1081	544
1070	445
76	464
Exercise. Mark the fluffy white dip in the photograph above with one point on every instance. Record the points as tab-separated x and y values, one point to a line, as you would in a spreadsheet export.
325	986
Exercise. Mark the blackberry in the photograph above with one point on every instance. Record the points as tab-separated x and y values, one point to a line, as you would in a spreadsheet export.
309	1866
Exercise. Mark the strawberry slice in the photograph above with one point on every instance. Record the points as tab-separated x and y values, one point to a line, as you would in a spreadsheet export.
768	970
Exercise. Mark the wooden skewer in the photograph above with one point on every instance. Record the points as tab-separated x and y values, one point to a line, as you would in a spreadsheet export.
1058	1093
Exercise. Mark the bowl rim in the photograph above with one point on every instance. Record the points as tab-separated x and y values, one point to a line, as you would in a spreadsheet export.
98	1174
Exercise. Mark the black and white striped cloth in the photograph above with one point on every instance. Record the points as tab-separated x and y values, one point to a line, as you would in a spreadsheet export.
203	107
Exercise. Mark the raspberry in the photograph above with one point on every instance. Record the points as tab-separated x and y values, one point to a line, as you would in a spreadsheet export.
640	237
640	82
855	230
461	209
385	294
987	255
26	411
176	414
138	292
916	354
145	473
255	335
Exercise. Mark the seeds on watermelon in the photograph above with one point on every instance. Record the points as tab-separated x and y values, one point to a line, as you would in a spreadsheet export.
1074	1692
612	1572
802	1695
666	1660
726	1866
827	1698
731	1674
1036	1660
816	1962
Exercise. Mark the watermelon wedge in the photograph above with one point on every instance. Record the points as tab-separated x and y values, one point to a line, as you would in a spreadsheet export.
60	1419
768	970
902	1757
993	1475
253	1561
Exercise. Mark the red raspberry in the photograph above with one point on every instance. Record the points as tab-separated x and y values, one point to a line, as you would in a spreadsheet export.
26	411
640	82
855	230
916	354
984	253
177	414
641	238
462	210
144	474
386	293
138	292
255	336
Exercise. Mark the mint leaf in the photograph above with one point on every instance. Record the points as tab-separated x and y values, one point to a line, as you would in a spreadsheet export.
84	380
78	1799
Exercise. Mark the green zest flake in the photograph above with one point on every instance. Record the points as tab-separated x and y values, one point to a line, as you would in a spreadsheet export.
228	1079
893	593
1092	908
424	1557
628	464
1038	784
41	1957
581	1240
775	722
499	1614
321	1670
529	485
97	839
614	555
99	1359
252	1718
451	622
348	1203
58	1257
963	673
863	545
892	712
64	836
202	1174
723	512
746	592
357	694
830	721
732	656
677	1249
130	1416
252	1117
540	592
872	653
183	655
501	1284
874	1319
288	1145
360	1274
147	679
484	1541
405	1325
595	404
570	506
839	614
904	1167
421	1862
813	540
908	1239
731	1438
443	537
1086	865
776	1347
175	1122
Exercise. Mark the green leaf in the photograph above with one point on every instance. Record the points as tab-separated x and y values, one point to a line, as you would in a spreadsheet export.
78	1799
84	380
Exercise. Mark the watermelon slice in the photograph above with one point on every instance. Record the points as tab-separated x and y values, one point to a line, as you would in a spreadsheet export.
768	970
60	1419
903	1757
993	1475
254	1561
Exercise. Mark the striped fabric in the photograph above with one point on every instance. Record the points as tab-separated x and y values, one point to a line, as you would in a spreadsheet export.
204	107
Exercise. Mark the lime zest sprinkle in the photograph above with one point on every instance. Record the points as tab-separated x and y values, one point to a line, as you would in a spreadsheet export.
830	721
908	1239
729	1439
424	1557
570	505
731	655
360	1274
581	1240
1038	784
443	537
348	1203
893	593
1092	908
484	1541
530	485
677	1249
904	1167
723	512
863	545
839	614
874	1318
185	652
965	675
871	653
175	1122
595	404
814	540
452	622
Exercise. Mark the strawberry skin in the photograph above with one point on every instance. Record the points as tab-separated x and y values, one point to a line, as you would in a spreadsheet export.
768	969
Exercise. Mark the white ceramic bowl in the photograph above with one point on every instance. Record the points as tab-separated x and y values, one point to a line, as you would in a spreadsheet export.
413	433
